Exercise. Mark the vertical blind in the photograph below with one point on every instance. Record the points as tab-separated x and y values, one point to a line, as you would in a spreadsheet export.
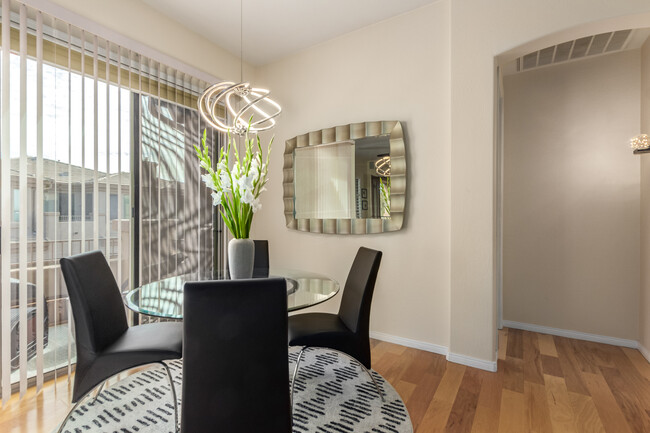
92	134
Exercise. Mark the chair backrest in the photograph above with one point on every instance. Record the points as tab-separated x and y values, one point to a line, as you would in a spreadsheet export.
235	357
357	293
261	263
97	305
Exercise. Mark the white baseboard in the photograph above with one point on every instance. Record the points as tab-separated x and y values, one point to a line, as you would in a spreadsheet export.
645	352
472	362
415	344
573	334
435	348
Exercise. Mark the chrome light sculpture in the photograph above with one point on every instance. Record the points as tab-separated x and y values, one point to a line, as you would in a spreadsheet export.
640	142
243	104
246	108
382	166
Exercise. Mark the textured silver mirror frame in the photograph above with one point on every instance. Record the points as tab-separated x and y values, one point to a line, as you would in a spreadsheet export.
346	226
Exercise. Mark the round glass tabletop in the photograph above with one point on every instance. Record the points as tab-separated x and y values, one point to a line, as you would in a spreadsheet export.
164	298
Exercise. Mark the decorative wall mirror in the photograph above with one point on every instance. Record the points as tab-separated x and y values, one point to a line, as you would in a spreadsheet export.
348	179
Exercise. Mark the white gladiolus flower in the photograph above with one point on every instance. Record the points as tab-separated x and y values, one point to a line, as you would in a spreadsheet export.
256	205
247	197
207	179
216	198
246	182
238	186
225	181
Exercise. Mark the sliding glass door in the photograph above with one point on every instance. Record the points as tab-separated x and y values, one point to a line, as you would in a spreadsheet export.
96	154
175	212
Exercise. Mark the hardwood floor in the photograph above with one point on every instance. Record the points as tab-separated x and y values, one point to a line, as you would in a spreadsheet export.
544	384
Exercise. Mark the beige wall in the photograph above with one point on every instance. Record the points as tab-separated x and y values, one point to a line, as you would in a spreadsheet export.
480	31
644	304
571	196
440	80
395	70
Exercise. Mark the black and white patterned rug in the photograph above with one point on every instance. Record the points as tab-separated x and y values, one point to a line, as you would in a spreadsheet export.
332	394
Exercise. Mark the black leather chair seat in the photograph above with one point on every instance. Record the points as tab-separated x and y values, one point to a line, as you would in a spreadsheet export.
315	326
323	330
155	341
138	345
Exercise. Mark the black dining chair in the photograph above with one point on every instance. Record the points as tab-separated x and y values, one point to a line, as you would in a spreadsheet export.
106	345
261	260
235	357
348	331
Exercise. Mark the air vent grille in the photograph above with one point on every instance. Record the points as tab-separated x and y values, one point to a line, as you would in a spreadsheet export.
571	50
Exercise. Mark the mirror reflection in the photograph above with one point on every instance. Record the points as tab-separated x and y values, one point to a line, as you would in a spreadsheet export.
342	179
346	179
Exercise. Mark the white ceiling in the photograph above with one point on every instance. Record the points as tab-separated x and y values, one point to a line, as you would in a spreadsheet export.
276	28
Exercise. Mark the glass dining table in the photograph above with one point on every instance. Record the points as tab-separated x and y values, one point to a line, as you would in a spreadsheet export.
164	298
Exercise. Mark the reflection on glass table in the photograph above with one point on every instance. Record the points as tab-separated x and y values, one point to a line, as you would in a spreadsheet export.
164	298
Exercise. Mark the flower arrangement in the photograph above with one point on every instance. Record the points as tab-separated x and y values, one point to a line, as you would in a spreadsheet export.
236	188
384	190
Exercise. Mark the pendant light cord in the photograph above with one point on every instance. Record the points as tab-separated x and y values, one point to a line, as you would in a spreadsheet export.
241	41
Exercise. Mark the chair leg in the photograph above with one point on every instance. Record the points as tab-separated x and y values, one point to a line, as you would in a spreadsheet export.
175	402
76	405
171	384
381	394
99	391
295	374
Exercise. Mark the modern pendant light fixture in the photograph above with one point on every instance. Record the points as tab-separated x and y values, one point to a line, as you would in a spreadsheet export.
243	103
640	143
382	165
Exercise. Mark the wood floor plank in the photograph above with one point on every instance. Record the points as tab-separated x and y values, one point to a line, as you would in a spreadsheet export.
486	418
462	412
609	412
512	418
513	374
384	365
639	362
503	343
435	419
537	412
515	344
421	363
570	366
405	389
551	365
602	355
586	361
396	370
532	359
632	377
546	345
419	401
627	400
559	405
585	414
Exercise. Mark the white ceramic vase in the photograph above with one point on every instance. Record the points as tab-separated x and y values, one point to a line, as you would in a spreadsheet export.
241	257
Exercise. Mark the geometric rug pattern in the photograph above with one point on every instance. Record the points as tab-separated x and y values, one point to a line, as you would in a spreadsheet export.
333	394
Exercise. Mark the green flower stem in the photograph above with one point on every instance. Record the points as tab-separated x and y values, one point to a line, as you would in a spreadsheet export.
236	214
